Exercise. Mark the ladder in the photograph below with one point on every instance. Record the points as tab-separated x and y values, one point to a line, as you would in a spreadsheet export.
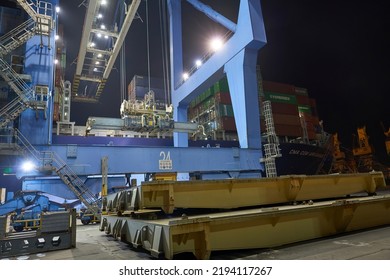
25	94
271	148
50	161
40	23
11	111
17	36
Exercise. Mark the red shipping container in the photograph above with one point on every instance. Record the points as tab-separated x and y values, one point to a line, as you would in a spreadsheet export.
286	119
228	124
303	100
313	106
284	109
288	130
278	87
316	120
56	112
311	135
223	98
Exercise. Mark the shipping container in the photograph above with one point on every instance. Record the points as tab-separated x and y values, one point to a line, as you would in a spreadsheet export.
223	98
56	112
280	97
301	91
225	110
286	119
227	124
313	105
221	85
304	109
303	100
288	130
278	87
139	86
284	108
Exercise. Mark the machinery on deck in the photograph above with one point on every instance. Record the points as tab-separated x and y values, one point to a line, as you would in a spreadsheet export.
26	208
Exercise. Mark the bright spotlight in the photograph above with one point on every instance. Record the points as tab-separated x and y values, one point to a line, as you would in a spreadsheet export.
56	61
198	63
97	62
216	44
92	44
28	166
57	37
99	35
99	16
95	69
105	36
185	76
99	55
58	9
104	2
102	26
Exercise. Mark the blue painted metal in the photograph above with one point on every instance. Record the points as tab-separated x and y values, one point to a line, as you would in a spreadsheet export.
149	159
39	63
247	40
217	17
55	186
35	202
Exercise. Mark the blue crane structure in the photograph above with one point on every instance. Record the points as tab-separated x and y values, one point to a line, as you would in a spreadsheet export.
74	170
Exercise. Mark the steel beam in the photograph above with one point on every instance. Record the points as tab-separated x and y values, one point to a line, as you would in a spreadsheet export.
89	18
217	17
248	229
57	232
236	193
122	35
135	159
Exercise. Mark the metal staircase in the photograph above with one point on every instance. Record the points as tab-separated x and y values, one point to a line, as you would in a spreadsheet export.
17	36
41	23
49	161
271	148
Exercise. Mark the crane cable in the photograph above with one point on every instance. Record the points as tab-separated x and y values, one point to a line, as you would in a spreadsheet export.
147	43
164	50
122	66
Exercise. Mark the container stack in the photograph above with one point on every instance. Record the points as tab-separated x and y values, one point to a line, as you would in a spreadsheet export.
139	87
293	110
213	109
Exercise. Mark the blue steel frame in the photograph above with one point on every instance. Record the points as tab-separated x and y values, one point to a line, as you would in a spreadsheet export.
237	60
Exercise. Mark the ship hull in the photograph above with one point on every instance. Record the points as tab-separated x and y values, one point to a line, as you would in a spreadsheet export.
301	159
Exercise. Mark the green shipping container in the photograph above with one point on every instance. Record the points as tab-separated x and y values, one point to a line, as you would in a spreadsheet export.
221	86
280	97
226	110
304	109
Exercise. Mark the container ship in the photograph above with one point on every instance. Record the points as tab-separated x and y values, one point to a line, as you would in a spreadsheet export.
304	147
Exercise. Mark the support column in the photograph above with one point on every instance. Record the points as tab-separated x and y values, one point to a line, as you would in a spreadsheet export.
176	56
242	80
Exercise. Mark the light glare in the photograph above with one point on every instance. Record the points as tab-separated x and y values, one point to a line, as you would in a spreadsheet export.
216	44
198	63
28	166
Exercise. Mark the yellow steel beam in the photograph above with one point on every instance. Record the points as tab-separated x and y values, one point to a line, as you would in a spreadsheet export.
248	229
234	193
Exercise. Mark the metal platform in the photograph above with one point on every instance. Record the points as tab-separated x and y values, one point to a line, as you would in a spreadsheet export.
235	193
254	228
57	231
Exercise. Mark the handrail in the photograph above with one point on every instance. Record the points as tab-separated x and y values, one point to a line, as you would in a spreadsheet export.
12	39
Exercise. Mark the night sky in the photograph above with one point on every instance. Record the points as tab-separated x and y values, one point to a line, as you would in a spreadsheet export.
338	50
